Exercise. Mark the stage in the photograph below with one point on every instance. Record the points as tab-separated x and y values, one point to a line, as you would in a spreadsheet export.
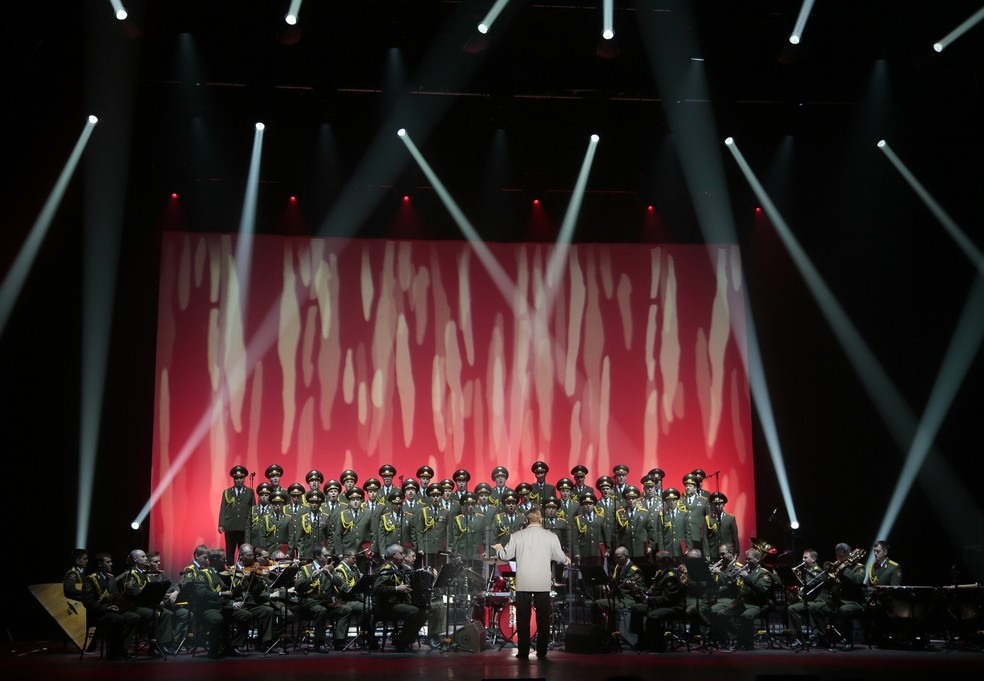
41	659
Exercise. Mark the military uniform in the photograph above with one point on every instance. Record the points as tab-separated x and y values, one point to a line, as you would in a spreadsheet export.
99	596
309	530
666	600
590	533
234	509
316	588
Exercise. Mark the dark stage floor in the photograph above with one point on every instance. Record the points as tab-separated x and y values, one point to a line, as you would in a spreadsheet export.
46	660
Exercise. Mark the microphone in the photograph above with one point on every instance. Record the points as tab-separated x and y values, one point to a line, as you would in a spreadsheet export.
711	475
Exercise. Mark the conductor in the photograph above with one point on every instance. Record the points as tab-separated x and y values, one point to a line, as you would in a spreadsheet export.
533	548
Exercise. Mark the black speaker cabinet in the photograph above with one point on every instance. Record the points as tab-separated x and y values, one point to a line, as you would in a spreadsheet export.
585	638
471	637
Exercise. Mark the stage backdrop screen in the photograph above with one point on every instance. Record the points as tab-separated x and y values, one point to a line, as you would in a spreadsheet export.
348	353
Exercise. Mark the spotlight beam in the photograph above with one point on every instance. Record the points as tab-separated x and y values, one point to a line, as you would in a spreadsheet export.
118	9
294	12
13	282
898	417
963	348
608	19
951	227
247	219
693	132
804	15
499	276
493	14
559	256
972	21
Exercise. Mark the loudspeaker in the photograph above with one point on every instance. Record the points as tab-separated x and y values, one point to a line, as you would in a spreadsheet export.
585	638
471	637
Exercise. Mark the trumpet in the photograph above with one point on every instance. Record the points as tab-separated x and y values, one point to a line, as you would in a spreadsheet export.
739	570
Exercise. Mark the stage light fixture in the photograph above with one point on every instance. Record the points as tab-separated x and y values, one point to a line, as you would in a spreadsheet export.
406	199
943	43
93	119
118	9
608	19
292	12
135	525
804	14
293	199
881	144
608	34
260	127
402	132
794	525
595	138
174	195
492	15
729	140
483	29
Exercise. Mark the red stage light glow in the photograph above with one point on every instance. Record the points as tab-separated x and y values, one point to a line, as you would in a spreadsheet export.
293	199
536	202
174	195
406	199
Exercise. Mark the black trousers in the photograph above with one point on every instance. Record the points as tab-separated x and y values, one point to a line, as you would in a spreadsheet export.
525	601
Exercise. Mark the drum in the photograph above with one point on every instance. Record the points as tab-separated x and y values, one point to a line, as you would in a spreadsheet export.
499	592
484	613
507	622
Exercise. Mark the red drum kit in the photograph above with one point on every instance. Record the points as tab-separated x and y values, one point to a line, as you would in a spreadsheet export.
495	608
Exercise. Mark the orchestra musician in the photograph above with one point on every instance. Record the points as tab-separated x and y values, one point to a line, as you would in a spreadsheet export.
846	576
348	570
665	600
391	593
249	586
157	621
75	576
181	615
101	598
813	606
754	597
216	611
626	589
316	583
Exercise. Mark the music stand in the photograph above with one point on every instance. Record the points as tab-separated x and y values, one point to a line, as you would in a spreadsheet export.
362	588
699	573
448	574
150	597
284	581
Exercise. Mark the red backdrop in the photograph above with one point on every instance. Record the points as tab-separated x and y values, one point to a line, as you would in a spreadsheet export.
349	353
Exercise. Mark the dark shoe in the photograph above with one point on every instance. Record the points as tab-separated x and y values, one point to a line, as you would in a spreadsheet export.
322	648
238	652
404	648
541	656
523	657
373	645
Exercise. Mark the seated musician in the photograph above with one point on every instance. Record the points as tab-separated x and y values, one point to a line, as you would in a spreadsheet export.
100	596
316	584
753	599
158	622
181	615
249	586
813	606
626	589
666	600
437	616
348	571
845	577
212	602
74	578
391	592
